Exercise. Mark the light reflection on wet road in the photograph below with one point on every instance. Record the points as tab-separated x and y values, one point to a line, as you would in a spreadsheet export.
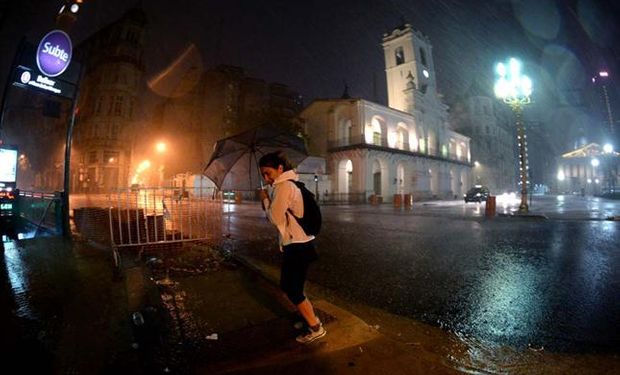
524	283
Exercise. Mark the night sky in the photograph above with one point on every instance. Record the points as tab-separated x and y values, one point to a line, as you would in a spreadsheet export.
317	46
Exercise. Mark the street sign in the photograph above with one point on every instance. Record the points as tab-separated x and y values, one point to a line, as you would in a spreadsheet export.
28	78
54	53
53	72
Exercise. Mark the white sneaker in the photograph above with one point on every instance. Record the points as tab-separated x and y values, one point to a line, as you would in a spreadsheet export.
312	335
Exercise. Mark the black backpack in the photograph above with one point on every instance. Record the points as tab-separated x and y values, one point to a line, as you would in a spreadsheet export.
311	221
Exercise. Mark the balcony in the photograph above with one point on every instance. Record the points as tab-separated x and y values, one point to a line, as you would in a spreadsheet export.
359	141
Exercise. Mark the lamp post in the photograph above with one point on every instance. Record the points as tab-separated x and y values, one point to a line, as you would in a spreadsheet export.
515	90
609	157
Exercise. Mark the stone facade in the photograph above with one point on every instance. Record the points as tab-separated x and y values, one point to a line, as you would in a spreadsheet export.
375	150
106	129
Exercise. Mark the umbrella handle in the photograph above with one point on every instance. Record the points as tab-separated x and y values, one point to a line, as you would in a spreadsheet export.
260	176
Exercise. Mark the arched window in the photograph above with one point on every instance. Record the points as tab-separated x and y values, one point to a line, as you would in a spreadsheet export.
373	132
399	54
345	176
402	137
349	176
344	132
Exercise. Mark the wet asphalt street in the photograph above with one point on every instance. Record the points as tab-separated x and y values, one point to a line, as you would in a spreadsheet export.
525	283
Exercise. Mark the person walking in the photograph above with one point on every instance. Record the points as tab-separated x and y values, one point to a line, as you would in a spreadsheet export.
296	246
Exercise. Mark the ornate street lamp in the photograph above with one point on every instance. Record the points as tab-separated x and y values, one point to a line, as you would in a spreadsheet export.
515	90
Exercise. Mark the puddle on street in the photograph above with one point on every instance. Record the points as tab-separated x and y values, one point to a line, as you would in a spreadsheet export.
200	313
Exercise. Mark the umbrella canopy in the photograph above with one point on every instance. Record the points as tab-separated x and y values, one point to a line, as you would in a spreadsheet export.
234	163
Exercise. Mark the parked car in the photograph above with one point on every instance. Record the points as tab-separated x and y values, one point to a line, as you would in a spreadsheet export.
477	194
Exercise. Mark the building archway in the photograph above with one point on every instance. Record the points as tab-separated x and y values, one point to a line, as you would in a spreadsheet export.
376	178
400	178
345	176
465	182
434	181
455	179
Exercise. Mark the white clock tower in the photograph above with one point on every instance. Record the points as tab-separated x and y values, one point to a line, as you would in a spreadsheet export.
409	68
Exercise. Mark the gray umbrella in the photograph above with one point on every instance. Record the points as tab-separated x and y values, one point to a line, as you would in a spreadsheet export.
234	163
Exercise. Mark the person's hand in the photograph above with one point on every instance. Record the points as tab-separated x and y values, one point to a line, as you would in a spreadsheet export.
262	193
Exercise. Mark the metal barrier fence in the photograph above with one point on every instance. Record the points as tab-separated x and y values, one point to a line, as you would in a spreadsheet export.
148	216
41	209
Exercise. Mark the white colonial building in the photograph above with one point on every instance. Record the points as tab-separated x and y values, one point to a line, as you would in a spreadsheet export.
374	151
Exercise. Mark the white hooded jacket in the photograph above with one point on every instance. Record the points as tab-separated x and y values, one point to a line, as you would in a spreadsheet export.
285	196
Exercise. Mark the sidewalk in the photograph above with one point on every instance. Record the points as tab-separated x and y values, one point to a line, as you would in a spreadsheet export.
62	311
65	312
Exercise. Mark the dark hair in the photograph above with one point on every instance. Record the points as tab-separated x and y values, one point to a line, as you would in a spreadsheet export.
274	160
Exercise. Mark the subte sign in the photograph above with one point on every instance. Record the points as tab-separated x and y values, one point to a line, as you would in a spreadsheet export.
54	53
54	72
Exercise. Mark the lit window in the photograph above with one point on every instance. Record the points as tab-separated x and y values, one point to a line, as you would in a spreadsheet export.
376	138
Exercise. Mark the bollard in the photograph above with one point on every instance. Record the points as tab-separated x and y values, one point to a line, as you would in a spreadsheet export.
398	200
373	200
490	206
408	201
238	197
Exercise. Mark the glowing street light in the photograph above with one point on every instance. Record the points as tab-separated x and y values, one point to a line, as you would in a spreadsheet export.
608	148
515	90
561	176
160	147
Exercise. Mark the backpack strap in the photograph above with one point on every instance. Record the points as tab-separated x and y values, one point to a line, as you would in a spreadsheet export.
296	187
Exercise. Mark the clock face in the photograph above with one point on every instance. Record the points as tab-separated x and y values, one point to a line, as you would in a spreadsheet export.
425	72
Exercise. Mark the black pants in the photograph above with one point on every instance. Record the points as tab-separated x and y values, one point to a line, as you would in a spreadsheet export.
296	259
